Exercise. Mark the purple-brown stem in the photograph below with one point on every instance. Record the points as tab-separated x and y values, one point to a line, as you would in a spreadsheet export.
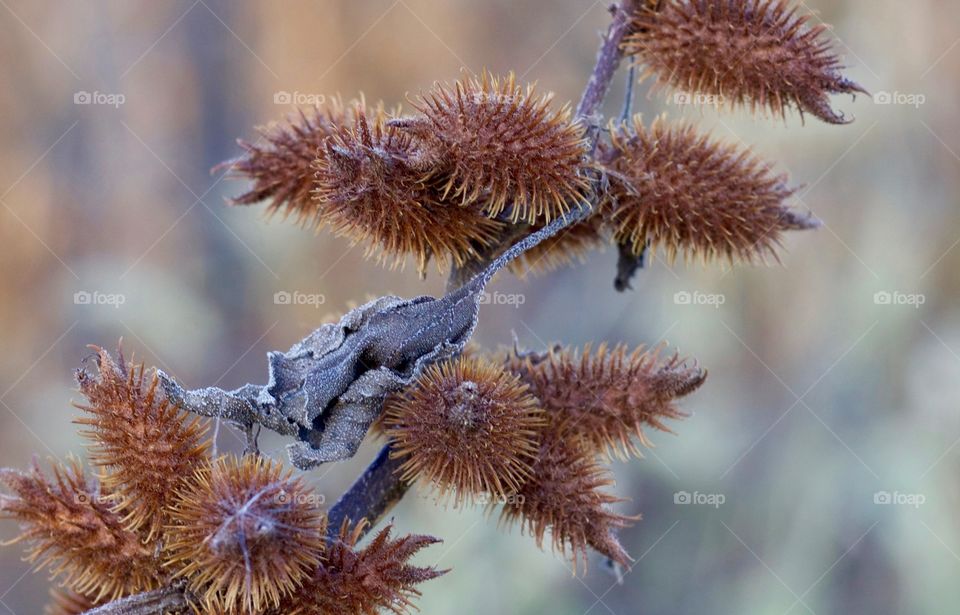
371	496
608	58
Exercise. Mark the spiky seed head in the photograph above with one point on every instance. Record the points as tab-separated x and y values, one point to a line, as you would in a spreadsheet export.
566	495
280	162
142	444
374	184
607	398
73	530
687	194
467	427
364	581
756	53
504	146
244	534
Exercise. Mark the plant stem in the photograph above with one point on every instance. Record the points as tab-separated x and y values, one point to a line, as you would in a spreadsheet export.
627	110
371	496
170	599
608	59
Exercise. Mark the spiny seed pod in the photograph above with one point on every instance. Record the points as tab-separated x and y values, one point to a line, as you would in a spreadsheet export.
244	534
756	53
465	426
683	192
280	162
374	185
605	397
141	442
503	145
566	247
352	581
73	530
565	496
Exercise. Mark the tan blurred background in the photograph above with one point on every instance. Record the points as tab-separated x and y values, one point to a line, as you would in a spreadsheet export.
821	397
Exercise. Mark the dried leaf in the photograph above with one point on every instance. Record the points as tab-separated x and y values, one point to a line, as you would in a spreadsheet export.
329	388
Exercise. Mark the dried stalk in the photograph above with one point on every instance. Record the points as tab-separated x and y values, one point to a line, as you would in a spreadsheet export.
170	599
608	59
371	496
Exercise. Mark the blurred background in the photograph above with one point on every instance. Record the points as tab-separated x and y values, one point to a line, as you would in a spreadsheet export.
830	424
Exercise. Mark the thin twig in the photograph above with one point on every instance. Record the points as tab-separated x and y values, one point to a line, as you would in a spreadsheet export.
171	599
608	59
461	274
627	110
